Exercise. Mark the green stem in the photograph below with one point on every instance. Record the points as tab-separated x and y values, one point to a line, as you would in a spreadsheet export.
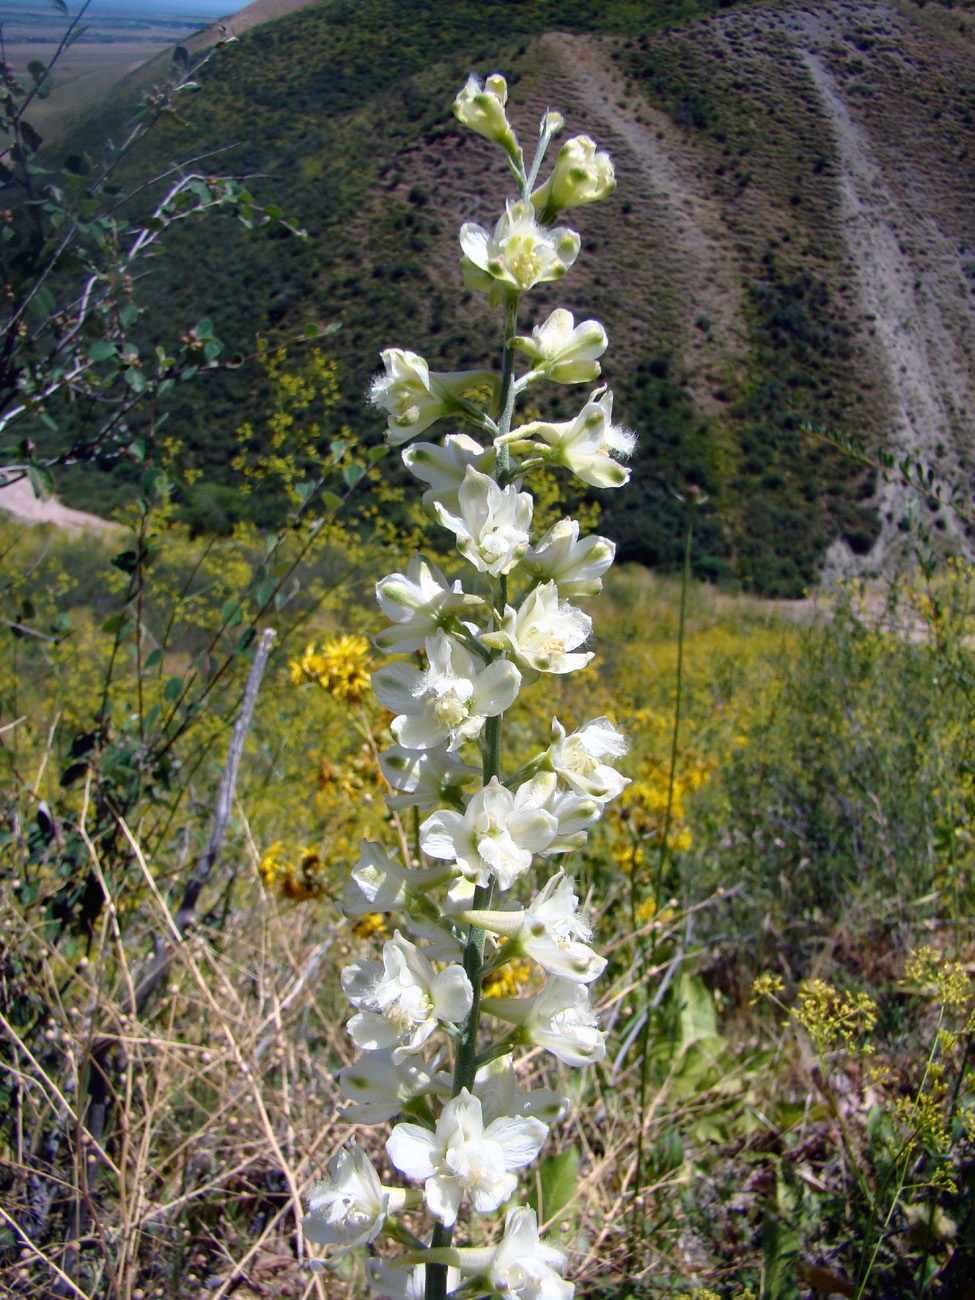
684	587
638	1219
465	1064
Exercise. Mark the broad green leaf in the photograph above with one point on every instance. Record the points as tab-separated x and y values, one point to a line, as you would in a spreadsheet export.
30	137
696	1018
780	1247
558	1182
173	689
42	485
352	474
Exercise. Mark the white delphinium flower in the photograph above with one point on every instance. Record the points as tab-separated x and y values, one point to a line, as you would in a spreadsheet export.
494	838
587	444
562	351
525	1267
520	1267
550	931
576	567
560	1019
426	777
582	174
405	1281
482	109
418	603
496	1087
403	1000
519	254
350	1207
541	632
443	468
451	700
380	884
573	813
577	758
379	1087
414	397
465	1156
491	524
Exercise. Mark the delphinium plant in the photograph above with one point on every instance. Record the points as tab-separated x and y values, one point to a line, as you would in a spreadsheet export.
481	886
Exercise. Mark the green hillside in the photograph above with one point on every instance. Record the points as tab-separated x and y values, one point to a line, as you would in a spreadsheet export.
719	268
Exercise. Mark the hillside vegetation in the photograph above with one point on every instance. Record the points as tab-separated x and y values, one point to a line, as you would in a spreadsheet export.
789	242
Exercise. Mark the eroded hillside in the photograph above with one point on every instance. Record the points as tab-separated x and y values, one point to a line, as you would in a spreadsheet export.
791	241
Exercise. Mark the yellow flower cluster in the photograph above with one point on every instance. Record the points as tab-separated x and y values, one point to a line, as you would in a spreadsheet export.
373	924
642	809
297	882
509	981
340	667
831	1018
927	970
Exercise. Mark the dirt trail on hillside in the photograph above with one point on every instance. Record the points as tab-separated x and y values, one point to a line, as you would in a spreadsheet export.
908	272
699	252
18	499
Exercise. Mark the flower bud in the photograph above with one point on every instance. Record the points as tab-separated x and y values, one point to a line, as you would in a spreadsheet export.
565	352
582	175
483	111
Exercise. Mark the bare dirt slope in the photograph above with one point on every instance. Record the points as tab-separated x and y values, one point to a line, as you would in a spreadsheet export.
901	236
18	500
898	218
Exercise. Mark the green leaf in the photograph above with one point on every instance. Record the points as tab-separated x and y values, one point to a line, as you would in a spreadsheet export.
231	614
73	772
265	591
558	1181
352	474
127	561
173	689
696	1018
42	485
30	137
37	69
377	453
114	624
780	1247
76	35
137	449
44	301
153	658
331	501
155	483
59	5
128	316
337	449
101	350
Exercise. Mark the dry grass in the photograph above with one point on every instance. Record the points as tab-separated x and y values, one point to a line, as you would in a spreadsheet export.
168	1155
